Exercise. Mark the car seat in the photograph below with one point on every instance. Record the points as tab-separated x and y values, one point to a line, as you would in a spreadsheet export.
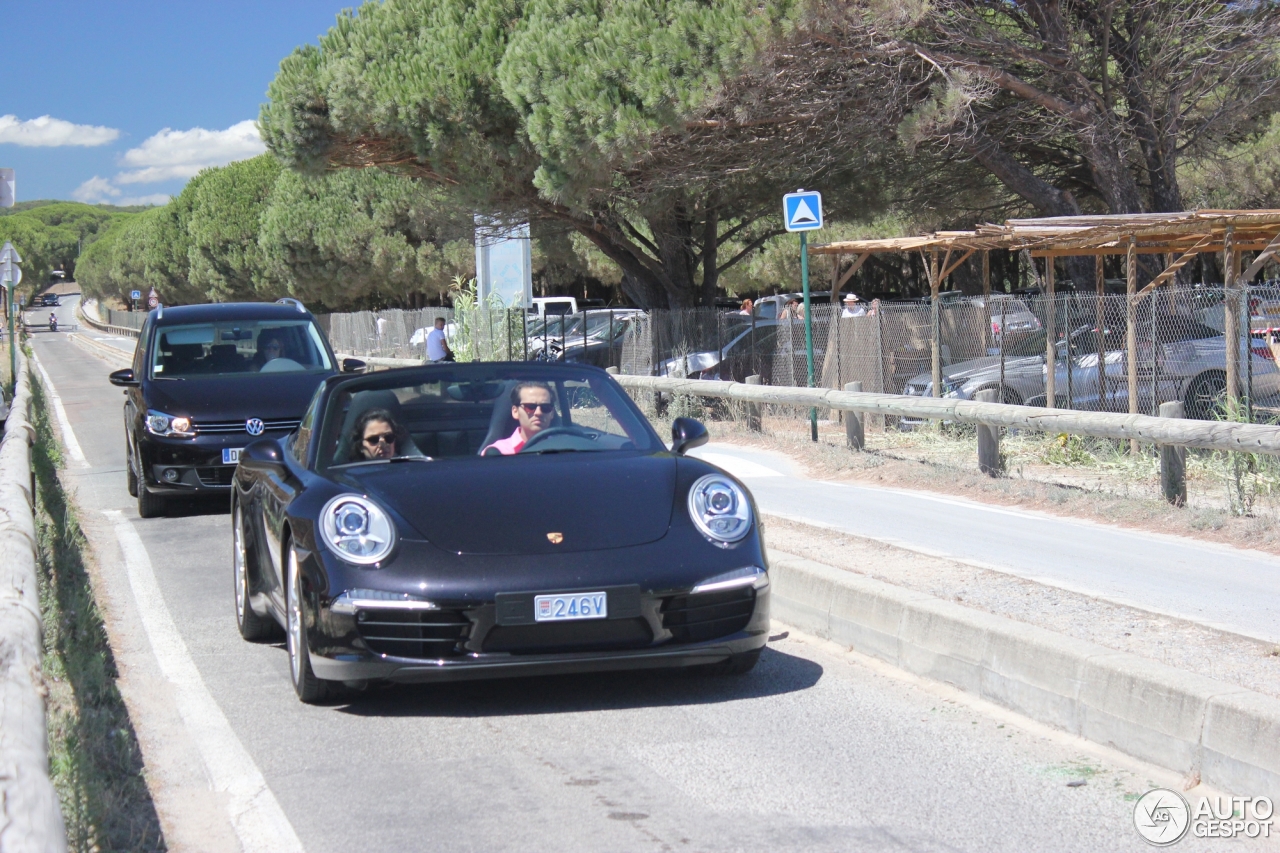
223	358
364	401
501	424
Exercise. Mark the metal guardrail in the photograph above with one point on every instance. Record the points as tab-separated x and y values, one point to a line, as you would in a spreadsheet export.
104	327
1207	435
30	818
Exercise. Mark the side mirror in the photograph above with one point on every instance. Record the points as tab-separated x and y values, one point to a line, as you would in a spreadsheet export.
265	452
686	434
353	365
123	378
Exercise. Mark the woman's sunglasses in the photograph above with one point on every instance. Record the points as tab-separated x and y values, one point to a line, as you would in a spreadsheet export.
384	438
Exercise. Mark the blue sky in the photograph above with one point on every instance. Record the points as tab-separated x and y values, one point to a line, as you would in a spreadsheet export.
114	76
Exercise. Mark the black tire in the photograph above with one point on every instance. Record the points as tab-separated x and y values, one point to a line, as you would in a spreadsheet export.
309	688
739	664
149	505
1205	396
130	475
253	627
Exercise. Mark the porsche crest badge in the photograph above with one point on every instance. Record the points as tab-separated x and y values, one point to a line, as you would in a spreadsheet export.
555	538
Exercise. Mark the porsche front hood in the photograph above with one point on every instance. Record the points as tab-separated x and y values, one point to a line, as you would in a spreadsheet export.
534	504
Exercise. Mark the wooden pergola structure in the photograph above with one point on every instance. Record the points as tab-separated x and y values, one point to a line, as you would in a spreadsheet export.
1180	237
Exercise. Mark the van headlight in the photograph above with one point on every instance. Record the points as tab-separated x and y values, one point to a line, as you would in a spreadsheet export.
357	530
169	426
720	509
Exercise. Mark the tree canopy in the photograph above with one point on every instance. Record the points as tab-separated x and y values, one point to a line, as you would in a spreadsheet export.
49	236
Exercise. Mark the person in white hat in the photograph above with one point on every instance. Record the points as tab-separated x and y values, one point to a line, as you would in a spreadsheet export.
853	306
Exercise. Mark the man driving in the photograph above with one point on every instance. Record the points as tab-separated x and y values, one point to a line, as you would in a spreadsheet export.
534	409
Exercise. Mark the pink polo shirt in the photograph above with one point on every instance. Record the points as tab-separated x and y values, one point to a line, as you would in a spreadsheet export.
508	446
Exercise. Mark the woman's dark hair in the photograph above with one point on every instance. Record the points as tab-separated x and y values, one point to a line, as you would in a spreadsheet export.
515	392
357	436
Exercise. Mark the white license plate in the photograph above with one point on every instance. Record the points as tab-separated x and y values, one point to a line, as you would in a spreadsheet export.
231	455
561	608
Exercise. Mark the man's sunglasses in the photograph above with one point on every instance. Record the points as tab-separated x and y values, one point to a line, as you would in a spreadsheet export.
530	408
384	438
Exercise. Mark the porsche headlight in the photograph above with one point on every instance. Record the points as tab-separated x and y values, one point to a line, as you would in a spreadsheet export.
720	508
357	530
170	426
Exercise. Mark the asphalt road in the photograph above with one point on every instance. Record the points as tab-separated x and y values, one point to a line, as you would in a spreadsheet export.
815	750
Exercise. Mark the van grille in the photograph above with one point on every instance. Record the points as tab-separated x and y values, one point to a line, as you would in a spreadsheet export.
708	615
221	427
413	633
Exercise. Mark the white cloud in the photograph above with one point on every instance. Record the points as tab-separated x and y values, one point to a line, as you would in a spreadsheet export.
98	190
50	132
172	154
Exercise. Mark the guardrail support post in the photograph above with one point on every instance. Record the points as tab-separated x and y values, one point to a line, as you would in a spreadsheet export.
1173	461
989	439
753	409
855	437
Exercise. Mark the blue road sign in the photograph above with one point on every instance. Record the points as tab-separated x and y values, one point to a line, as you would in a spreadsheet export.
137	294
802	211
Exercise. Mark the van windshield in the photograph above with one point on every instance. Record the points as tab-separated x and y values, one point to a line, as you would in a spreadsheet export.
233	347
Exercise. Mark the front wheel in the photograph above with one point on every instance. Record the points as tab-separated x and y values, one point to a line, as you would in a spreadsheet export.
309	688
149	505
252	627
1206	395
130	473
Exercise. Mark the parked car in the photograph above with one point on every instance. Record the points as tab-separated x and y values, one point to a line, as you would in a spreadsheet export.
547	338
208	379
592	547
1189	365
761	348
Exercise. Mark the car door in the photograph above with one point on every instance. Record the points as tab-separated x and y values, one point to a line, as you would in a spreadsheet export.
135	405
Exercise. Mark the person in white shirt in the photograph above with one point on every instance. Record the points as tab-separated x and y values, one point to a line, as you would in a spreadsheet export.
853	307
437	346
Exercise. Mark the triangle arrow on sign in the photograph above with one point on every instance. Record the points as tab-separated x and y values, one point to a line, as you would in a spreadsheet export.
803	214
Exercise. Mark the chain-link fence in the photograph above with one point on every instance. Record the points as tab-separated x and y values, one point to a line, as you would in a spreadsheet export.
1000	342
384	334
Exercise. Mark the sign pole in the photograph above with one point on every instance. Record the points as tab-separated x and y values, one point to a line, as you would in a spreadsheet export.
808	326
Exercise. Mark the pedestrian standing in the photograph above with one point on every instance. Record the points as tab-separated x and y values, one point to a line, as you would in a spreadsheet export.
437	346
853	307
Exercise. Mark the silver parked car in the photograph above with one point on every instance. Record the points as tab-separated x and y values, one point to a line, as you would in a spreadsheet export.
1189	364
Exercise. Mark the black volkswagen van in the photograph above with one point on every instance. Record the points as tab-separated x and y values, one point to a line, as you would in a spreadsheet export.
208	379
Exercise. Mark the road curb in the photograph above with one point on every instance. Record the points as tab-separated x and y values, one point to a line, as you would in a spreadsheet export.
1225	736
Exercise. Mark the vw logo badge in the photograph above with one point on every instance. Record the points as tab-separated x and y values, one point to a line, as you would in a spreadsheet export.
254	426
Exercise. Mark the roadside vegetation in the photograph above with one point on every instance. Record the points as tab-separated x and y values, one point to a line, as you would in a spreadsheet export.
94	759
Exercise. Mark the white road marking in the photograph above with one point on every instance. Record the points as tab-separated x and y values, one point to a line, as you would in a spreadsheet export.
741	468
259	822
68	435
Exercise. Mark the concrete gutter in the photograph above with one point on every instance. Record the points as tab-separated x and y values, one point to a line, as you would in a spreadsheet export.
1225	736
30	819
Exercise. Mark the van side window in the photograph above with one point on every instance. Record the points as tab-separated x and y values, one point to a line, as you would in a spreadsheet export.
139	354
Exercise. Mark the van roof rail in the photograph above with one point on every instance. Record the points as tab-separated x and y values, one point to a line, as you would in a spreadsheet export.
289	300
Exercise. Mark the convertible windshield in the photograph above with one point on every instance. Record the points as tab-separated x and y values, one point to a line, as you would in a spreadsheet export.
238	347
481	412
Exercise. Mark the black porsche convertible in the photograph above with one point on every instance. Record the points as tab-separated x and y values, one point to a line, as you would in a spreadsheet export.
480	520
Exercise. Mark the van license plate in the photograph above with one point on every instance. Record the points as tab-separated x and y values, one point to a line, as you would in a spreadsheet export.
561	608
231	455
